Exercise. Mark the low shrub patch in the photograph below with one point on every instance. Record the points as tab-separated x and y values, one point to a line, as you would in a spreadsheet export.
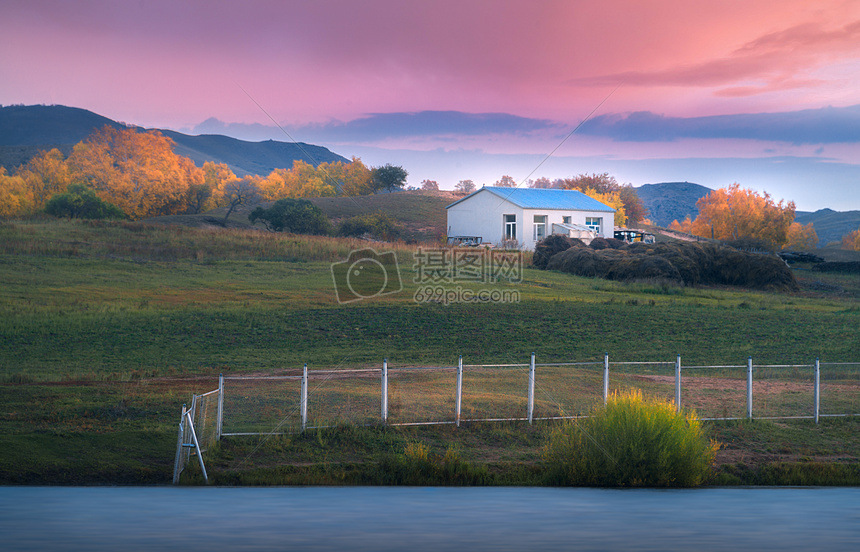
631	442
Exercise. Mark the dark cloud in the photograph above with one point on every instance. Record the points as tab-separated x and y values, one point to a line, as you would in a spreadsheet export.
830	125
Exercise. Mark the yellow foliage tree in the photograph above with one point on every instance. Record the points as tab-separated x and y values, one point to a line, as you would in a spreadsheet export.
611	199
136	171
801	236
44	175
851	241
733	213
14	196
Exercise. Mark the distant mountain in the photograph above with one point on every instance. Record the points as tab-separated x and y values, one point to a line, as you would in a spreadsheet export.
670	201
249	157
25	130
830	225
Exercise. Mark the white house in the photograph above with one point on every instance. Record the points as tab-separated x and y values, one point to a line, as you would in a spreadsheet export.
521	217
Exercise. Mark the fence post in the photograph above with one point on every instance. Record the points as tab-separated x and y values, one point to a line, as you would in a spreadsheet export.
177	464
749	387
459	399
605	378
384	390
817	388
220	417
531	387
197	448
304	397
678	384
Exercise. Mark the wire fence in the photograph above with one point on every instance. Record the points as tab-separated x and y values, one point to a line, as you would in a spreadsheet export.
454	394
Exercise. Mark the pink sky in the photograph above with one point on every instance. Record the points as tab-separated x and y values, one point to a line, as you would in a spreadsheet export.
174	64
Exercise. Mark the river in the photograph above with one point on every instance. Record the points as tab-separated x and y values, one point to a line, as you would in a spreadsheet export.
417	519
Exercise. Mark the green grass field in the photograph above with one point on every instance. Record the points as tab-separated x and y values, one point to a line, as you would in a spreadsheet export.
107	328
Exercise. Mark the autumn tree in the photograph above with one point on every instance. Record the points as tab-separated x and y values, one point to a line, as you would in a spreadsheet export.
851	241
137	171
735	213
44	175
542	182
464	187
429	185
210	193
801	236
605	184
239	192
14	196
506	182
611	199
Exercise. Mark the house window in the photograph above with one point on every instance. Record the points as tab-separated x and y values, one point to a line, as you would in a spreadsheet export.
510	227
540	227
565	220
594	223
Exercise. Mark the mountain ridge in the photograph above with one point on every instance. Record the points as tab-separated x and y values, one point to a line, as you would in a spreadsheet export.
26	130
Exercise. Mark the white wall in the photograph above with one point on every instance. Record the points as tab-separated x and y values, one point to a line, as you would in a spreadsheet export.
483	215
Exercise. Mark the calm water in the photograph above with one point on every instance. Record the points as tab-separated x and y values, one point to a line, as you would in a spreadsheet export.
416	519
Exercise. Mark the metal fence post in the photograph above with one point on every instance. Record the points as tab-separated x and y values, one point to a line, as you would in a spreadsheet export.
459	399
678	384
605	378
384	390
304	398
220	420
817	388
531	388
177	464
749	387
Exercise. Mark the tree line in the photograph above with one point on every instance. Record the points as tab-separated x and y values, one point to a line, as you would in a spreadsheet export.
137	175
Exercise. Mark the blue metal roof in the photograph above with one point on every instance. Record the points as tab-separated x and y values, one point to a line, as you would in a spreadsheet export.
543	198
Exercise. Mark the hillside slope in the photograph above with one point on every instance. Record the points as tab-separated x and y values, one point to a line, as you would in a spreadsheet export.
26	130
830	225
668	201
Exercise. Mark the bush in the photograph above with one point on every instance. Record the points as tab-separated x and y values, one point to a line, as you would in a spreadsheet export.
417	466
297	216
81	202
378	226
631	442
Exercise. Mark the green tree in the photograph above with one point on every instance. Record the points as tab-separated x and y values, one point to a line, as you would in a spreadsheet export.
389	176
297	216
81	202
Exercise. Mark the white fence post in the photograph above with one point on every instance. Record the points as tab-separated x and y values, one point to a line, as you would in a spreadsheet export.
197	447
749	387
531	388
178	463
459	399
384	390
817	388
220	418
605	378
304	398
678	384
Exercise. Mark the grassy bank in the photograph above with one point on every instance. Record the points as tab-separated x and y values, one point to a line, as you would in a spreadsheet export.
107	328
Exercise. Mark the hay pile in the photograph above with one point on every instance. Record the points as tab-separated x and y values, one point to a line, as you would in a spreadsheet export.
685	263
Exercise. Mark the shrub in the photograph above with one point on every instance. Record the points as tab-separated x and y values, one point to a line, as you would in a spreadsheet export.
297	216
631	442
81	202
417	466
377	225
